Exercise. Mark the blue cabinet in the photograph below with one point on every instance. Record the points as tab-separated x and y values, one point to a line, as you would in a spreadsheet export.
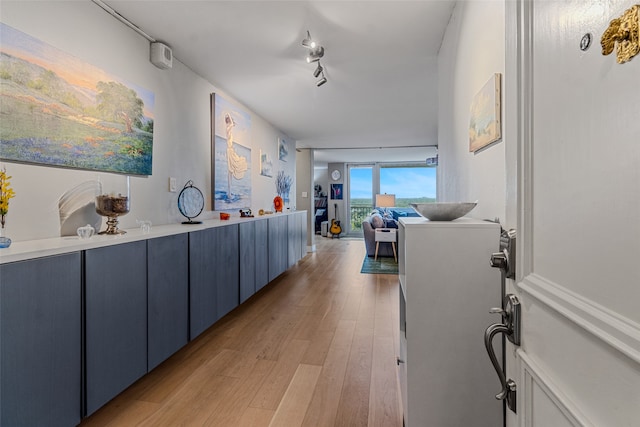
262	253
254	257
247	241
203	297
214	276
227	274
278	245
297	237
116	320
40	341
168	297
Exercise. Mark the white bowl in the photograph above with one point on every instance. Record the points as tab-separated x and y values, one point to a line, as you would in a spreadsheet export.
445	211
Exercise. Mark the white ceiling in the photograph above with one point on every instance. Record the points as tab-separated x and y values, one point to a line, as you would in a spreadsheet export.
380	61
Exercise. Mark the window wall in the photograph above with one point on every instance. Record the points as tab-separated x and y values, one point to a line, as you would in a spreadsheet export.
409	182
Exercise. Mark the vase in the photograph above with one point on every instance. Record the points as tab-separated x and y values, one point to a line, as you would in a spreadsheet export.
113	204
5	242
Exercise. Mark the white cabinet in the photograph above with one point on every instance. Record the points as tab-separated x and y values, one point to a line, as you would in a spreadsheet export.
446	290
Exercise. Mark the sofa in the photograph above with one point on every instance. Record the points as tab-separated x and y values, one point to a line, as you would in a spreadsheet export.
369	224
376	220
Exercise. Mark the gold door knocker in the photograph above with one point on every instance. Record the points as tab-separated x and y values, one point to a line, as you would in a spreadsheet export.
623	30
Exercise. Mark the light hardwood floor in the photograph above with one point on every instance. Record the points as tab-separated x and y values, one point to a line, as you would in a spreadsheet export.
317	347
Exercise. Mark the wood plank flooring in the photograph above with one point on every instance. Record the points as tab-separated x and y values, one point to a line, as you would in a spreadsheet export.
317	347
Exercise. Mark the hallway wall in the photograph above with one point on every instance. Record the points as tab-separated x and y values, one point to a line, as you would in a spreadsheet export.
472	50
182	135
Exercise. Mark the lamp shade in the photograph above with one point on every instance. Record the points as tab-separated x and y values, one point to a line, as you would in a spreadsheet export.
385	200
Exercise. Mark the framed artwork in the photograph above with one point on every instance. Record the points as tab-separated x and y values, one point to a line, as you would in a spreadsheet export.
231	156
266	165
485	117
58	110
283	149
336	191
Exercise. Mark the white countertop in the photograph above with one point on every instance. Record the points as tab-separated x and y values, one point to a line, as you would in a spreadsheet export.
20	251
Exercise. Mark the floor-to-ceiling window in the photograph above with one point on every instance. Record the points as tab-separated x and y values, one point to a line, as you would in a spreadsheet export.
409	182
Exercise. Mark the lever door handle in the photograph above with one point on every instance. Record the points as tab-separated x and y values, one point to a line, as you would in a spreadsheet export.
508	391
488	343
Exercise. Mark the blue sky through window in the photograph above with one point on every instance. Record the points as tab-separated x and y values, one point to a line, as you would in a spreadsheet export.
408	182
404	182
360	183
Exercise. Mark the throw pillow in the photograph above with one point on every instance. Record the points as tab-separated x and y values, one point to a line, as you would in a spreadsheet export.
390	223
377	221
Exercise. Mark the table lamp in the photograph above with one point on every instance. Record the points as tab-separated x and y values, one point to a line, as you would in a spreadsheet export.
385	201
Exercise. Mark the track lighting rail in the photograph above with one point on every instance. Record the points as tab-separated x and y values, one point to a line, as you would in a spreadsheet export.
316	52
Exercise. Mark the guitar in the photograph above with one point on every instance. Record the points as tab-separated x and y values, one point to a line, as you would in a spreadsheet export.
335	229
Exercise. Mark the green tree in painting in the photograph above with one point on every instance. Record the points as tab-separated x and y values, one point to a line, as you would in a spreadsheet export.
118	103
148	127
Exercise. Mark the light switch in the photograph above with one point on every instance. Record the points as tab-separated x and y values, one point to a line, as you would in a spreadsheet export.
172	184
304	194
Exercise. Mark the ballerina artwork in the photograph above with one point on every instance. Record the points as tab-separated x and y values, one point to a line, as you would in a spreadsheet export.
232	185
236	164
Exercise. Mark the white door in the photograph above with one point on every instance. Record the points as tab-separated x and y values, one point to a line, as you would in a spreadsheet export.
572	118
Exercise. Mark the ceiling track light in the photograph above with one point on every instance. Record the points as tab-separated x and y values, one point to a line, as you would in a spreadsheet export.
322	81
315	54
308	42
318	70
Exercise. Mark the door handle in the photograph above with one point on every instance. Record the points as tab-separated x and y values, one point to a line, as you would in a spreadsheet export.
511	329
488	343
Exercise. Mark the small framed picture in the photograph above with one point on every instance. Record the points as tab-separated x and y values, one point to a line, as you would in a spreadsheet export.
283	149
336	191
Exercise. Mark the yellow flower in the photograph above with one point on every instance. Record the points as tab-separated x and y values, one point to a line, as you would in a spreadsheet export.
6	193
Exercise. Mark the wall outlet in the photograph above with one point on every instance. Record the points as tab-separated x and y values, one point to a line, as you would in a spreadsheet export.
172	185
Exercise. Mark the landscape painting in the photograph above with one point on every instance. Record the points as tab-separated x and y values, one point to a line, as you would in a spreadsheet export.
484	121
231	155
60	111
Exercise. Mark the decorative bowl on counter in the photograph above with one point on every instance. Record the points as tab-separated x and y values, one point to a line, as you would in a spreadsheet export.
114	204
443	211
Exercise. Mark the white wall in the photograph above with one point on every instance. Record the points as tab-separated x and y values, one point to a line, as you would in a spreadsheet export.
182	134
304	184
472	51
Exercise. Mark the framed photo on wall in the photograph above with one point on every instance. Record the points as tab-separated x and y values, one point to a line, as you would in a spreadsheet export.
336	191
283	149
485	125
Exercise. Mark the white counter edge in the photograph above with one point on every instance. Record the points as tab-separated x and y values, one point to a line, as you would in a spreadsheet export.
414	221
30	249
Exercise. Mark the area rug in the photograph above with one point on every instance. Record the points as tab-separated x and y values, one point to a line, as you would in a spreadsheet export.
384	265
